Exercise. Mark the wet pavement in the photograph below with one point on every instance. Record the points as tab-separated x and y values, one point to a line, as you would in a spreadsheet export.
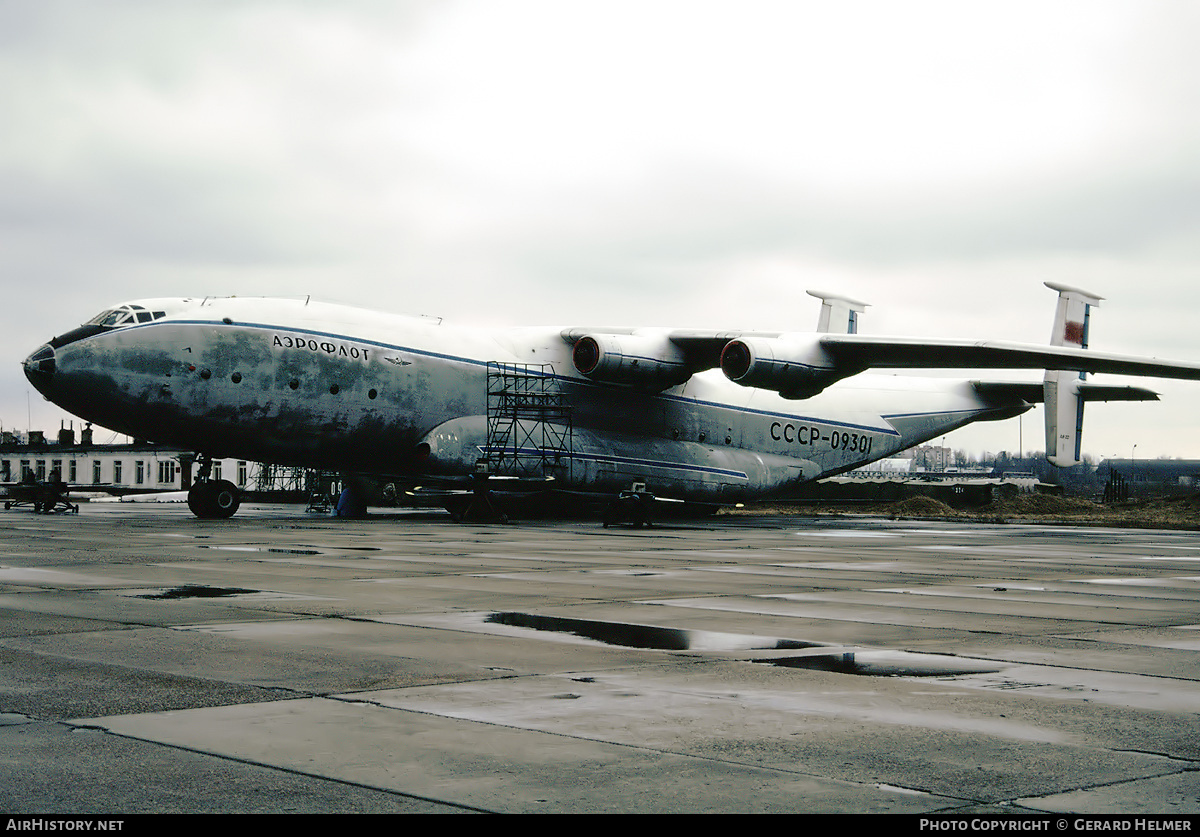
281	662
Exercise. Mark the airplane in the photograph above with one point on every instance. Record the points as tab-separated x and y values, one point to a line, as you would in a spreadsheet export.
698	416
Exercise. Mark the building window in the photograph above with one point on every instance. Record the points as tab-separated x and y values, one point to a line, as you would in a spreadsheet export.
6	471
117	469
95	472
24	468
139	472
73	472
166	472
41	470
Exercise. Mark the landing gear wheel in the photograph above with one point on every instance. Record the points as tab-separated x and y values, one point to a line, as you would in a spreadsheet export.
198	500
214	500
630	507
226	499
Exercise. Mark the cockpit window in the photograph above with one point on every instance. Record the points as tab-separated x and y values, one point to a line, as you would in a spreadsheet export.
125	315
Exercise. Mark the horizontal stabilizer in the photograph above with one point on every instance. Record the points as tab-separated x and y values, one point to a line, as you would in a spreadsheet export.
1100	392
1034	393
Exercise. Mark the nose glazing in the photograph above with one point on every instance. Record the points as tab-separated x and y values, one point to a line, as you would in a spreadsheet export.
40	366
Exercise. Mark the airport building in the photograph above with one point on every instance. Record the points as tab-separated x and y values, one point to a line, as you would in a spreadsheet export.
135	467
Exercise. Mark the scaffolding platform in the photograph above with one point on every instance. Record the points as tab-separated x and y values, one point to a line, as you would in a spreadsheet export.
529	430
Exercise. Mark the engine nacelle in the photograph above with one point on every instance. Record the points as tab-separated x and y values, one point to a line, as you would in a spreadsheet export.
795	368
647	361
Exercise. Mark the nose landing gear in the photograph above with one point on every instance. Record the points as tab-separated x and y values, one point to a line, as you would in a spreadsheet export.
211	499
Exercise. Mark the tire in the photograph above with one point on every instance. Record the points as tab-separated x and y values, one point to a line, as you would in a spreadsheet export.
226	499
198	500
215	500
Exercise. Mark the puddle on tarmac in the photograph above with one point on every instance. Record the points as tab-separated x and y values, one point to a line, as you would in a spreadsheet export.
840	533
611	633
811	655
197	591
264	549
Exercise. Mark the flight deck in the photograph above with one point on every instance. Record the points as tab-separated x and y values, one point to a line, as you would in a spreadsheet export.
286	662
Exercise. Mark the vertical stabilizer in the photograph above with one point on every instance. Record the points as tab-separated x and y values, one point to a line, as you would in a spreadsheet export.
839	314
1064	417
1064	407
1071	318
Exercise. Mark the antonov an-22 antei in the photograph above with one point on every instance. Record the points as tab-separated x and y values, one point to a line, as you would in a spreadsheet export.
707	417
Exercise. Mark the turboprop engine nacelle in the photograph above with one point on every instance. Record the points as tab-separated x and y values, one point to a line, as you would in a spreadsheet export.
795	368
649	361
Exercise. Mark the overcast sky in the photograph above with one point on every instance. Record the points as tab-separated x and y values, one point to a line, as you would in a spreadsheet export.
644	163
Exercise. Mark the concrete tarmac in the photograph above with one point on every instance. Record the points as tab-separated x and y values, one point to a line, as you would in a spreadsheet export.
282	662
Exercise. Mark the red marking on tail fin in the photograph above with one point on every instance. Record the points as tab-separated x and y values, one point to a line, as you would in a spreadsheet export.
1073	333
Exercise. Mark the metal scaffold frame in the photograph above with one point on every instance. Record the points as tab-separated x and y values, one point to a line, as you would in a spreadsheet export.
528	422
279	478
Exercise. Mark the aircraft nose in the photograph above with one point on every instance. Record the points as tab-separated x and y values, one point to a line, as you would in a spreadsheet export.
40	366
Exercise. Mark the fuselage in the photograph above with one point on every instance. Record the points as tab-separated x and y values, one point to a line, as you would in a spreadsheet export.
325	386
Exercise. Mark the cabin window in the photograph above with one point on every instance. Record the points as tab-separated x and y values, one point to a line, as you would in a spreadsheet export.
241	474
216	470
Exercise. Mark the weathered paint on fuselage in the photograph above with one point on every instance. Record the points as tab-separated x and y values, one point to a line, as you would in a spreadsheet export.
318	385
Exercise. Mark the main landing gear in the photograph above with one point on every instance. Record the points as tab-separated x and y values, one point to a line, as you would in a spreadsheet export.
634	508
212	499
480	508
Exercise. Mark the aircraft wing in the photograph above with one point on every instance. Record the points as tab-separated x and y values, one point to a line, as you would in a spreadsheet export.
703	348
800	365
857	352
854	353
